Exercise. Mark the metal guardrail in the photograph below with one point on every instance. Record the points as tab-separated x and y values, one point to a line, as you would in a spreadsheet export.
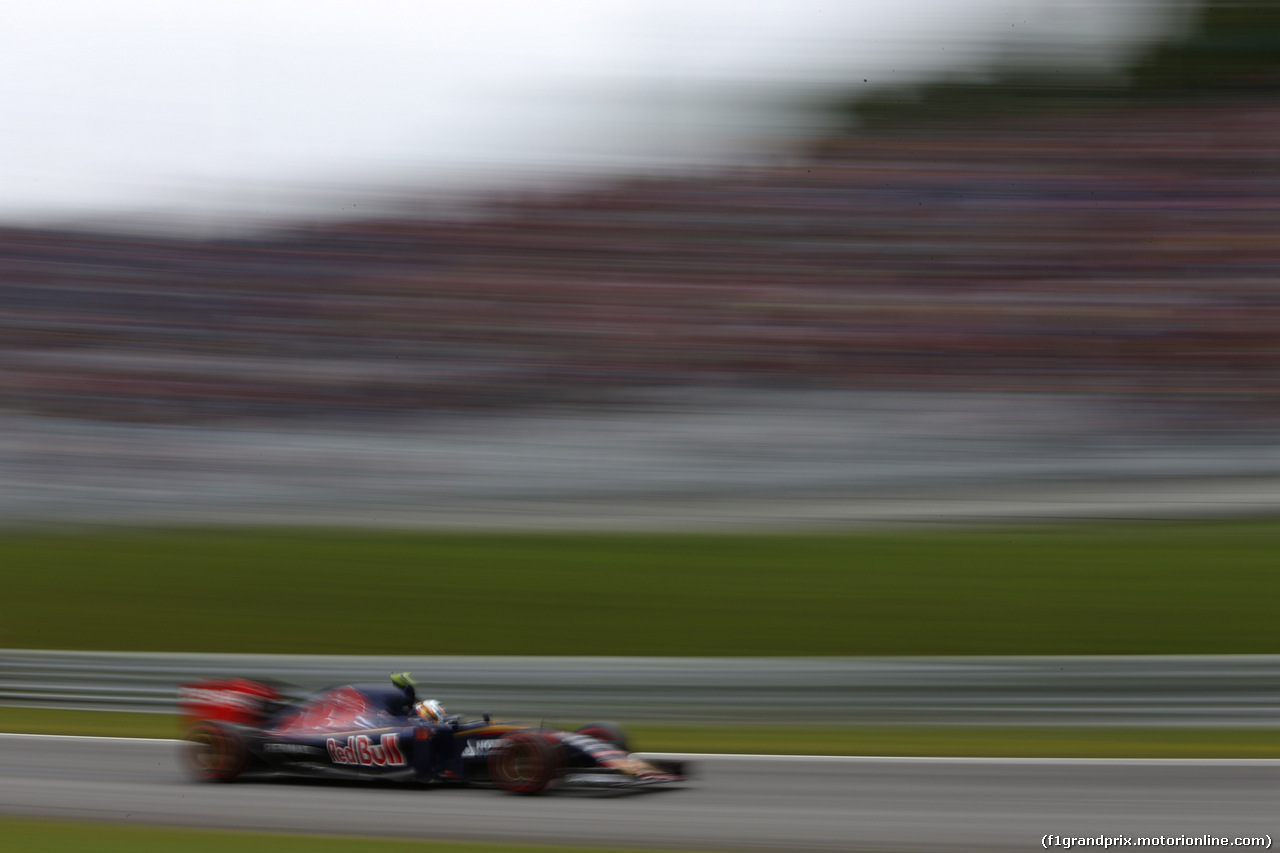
1156	690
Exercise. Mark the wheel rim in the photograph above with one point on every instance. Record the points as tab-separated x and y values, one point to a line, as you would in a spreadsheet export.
522	764
210	755
519	763
204	753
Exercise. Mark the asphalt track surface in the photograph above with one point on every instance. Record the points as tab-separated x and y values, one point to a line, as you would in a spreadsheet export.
736	802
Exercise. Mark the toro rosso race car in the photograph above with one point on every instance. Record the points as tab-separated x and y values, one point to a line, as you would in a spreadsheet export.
381	732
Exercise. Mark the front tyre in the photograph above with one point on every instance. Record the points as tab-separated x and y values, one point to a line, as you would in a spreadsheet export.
214	752
610	733
524	763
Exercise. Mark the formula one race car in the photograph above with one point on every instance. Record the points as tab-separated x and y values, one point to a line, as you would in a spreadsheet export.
374	731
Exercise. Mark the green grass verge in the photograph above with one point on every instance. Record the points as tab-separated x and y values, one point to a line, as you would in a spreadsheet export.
1092	742
52	721
1157	588
24	836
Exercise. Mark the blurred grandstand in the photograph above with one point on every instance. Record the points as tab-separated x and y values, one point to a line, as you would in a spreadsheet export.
1126	251
1118	251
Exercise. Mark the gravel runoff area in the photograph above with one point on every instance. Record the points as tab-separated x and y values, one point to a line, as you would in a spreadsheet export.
676	459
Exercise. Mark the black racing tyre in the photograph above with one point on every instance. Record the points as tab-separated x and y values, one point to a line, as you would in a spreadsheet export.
610	733
524	763
214	752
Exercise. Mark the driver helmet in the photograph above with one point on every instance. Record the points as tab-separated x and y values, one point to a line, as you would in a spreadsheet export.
430	710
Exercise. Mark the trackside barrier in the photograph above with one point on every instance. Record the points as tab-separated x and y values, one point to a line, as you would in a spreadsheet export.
1141	690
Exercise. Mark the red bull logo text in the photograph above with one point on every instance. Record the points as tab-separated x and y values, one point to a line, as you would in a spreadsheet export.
361	750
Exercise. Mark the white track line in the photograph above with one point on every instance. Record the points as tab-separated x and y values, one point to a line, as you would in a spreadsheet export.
958	759
92	737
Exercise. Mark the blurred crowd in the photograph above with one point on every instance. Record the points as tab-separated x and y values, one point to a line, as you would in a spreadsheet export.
1129	251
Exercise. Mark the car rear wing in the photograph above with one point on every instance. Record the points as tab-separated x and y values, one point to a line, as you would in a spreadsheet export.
231	700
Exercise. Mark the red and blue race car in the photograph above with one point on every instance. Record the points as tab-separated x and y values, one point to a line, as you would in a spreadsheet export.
235	727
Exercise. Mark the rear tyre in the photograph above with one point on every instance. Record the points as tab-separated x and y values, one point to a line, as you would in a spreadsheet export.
523	763
610	733
214	752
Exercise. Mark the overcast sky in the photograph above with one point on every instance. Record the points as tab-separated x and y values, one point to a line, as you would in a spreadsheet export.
249	107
